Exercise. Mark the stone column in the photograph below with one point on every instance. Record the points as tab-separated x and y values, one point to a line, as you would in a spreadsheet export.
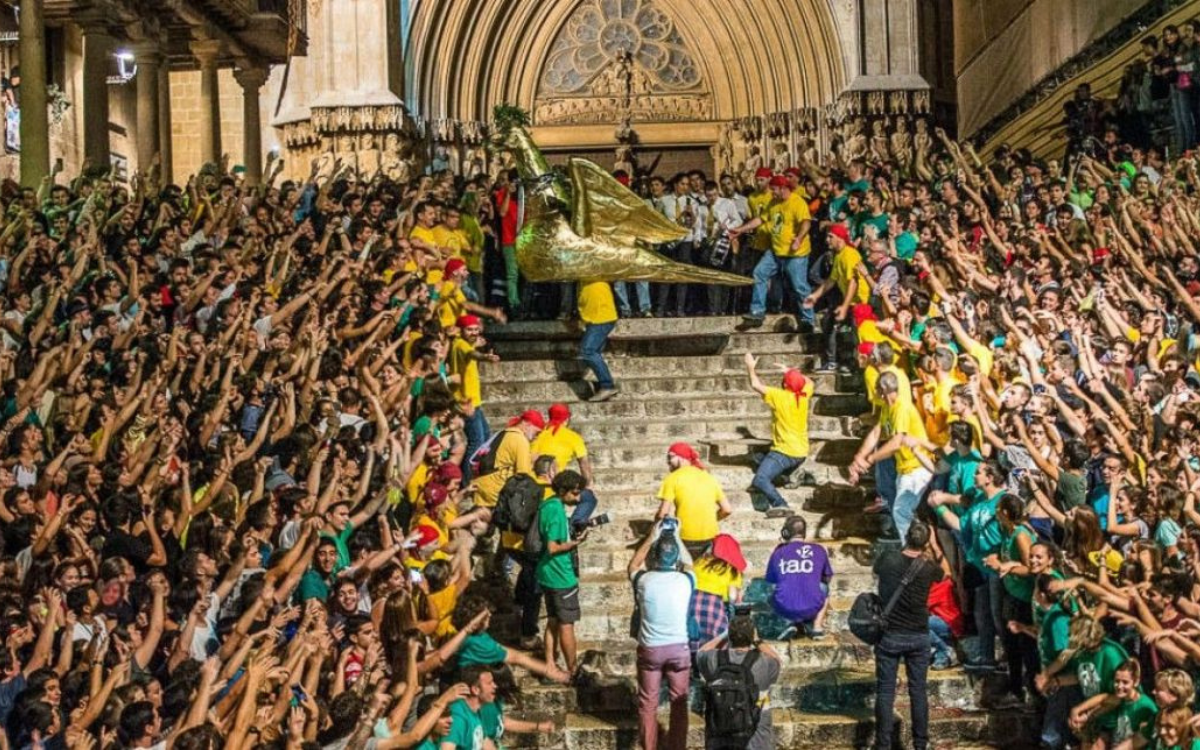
35	120
164	123
149	63
251	80
207	51
97	48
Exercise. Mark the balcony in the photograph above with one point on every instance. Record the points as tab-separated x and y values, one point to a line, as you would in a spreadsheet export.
272	29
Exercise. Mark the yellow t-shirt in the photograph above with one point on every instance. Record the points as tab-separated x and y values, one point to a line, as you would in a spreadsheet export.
789	422
696	495
441	605
512	457
466	368
846	266
903	418
412	562
451	303
474	252
428	237
983	356
596	305
454	240
566	446
783	219
937	420
406	351
871	376
416	484
442	525
758	203
714	578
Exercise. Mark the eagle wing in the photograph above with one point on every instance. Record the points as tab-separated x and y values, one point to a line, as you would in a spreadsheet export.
603	207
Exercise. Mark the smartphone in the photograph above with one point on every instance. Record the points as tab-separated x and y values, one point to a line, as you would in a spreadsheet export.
298	695
414	576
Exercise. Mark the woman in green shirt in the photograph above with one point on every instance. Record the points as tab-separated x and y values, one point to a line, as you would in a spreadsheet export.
1012	563
1117	721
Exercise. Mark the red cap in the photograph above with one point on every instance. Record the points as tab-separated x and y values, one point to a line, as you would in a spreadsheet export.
794	381
793	172
623	179
727	549
1193	288
763	173
454	264
840	231
779	181
686	452
1100	253
466	321
559	414
427	535
531	416
866	349
435	495
862	313
447	473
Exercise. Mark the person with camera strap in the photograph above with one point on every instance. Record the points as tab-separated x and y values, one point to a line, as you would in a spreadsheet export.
738	671
555	570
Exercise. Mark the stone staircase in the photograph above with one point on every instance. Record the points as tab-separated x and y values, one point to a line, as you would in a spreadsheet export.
684	379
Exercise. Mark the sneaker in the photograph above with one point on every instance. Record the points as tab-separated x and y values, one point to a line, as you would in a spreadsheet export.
788	633
625	313
646	314
941	665
779	511
749	322
982	667
800	479
827	367
603	394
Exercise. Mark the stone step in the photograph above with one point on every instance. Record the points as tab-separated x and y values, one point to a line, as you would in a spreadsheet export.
836	650
653	386
734	477
645	328
625	367
797	730
825	691
629	523
704	344
734	406
836	503
834	449
598	430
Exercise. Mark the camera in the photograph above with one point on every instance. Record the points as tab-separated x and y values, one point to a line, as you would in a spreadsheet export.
669	525
600	520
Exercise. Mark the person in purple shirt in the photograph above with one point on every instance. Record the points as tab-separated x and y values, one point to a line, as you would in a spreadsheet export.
800	572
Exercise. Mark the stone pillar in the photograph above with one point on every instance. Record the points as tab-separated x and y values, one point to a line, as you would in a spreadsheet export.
251	80
164	123
207	51
35	120
149	135
97	48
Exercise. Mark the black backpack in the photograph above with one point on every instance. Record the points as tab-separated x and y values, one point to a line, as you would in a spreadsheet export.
483	460
731	708
868	615
518	509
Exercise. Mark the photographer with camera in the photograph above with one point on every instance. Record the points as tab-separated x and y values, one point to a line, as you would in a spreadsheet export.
556	570
738	671
663	583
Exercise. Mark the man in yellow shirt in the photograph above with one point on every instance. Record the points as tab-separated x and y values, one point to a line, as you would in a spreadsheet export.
453	302
463	363
512	456
695	497
424	238
903	433
847	276
598	312
789	433
567	447
788	222
759	201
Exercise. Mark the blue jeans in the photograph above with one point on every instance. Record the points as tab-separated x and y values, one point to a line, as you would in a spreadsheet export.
986	611
910	488
796	270
591	348
584	508
477	430
913	650
642	289
941	639
772	465
885	481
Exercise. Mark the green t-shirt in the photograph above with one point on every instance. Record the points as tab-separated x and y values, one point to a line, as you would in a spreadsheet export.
427	744
1071	491
1158	744
1135	717
492	717
313	586
1096	671
480	648
961	478
466	727
981	531
1019	587
341	541
1053	634
555	571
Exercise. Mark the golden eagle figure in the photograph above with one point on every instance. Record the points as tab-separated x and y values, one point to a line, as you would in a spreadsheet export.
600	230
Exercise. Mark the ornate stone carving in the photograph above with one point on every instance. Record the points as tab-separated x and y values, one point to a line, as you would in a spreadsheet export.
902	144
600	110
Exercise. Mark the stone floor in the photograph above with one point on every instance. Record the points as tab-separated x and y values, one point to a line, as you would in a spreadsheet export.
683	379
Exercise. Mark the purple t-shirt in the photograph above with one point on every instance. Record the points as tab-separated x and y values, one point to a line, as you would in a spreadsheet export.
798	570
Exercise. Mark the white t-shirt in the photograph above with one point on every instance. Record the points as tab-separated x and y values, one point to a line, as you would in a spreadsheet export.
664	598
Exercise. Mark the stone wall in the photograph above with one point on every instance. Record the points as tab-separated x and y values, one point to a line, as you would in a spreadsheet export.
185	120
1004	47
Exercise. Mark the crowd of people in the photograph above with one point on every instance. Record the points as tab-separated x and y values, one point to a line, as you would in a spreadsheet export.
250	490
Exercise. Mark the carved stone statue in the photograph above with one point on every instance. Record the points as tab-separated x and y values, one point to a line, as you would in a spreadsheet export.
855	145
368	156
880	147
346	150
441	159
396	161
625	162
754	160
902	144
780	159
923	141
474	162
325	159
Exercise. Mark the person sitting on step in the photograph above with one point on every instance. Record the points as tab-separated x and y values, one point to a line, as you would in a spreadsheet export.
800	572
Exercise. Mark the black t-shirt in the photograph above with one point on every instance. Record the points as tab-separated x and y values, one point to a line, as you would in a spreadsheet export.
911	613
134	549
